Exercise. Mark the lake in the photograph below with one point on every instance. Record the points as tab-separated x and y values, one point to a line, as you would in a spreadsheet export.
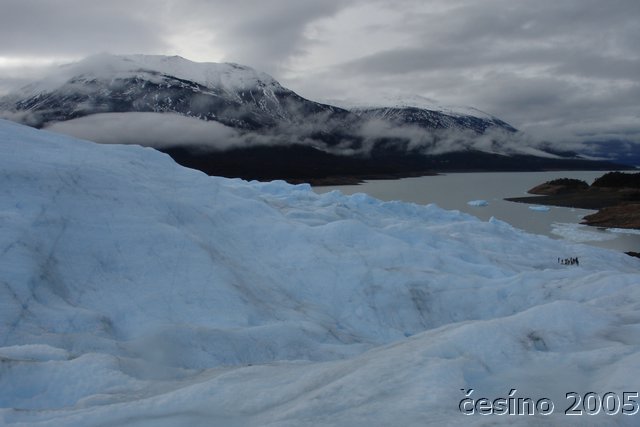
454	191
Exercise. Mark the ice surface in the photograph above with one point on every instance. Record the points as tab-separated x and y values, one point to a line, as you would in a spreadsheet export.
623	230
134	292
478	203
580	233
539	208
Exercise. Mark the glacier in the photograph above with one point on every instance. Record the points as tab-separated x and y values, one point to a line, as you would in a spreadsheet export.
135	292
539	208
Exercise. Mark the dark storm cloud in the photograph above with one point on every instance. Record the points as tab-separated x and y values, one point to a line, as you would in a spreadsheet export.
575	35
263	34
559	61
539	65
76	27
561	69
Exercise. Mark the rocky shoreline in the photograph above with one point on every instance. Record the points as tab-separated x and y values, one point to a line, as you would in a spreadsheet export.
626	215
615	195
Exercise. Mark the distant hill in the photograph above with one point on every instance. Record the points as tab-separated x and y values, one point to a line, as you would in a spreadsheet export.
618	180
615	194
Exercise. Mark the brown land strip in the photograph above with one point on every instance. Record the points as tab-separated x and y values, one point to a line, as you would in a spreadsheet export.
618	205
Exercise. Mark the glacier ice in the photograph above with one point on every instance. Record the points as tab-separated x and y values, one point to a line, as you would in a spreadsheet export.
580	233
539	208
478	203
134	292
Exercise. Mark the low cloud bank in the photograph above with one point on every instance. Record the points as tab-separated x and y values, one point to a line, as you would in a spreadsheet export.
156	130
441	141
164	130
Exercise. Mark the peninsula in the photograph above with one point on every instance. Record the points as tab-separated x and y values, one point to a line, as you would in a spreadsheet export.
616	196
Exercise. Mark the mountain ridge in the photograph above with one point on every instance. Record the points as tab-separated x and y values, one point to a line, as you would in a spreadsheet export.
228	81
110	83
258	111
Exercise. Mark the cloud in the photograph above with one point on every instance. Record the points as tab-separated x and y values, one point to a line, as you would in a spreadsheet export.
265	35
549	67
158	130
542	66
76	28
441	141
164	130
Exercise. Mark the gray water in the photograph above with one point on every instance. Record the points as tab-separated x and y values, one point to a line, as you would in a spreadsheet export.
453	191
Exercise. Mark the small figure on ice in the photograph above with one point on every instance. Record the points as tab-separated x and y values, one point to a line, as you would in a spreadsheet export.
569	261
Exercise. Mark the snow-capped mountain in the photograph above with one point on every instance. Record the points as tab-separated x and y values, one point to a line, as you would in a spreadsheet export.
424	112
231	120
134	292
232	94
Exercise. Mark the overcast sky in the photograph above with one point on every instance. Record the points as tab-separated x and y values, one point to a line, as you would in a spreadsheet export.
560	69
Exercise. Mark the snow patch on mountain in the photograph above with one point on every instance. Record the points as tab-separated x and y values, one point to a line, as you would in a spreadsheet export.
228	76
389	101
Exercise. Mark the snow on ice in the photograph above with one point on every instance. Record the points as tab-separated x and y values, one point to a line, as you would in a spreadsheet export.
134	292
580	233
